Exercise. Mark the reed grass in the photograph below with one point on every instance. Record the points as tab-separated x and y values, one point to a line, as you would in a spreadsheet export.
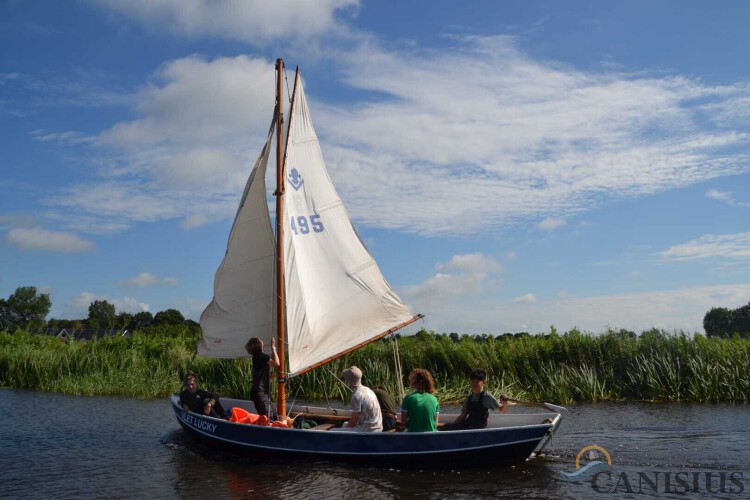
559	368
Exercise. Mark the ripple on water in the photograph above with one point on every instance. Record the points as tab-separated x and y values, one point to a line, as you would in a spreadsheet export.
74	447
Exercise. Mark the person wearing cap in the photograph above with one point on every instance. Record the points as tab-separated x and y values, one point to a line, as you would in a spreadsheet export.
366	416
199	401
476	409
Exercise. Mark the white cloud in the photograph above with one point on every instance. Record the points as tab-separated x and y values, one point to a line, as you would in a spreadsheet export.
528	298
61	138
719	195
200	167
36	238
146	280
551	223
78	306
681	309
187	148
726	246
197	101
471	263
254	21
442	286
484	136
724	196
194	220
467	274
129	305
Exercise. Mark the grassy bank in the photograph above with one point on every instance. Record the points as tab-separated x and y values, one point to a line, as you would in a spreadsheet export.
573	367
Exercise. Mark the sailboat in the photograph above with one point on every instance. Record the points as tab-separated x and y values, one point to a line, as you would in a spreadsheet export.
313	285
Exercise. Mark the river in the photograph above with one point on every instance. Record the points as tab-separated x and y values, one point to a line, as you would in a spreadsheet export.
60	446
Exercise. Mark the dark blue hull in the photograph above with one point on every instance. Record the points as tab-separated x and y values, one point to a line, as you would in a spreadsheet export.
504	445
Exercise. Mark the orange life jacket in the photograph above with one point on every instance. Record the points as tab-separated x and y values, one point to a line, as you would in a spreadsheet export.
242	416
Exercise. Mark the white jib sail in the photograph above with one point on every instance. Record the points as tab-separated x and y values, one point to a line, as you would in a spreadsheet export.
244	305
336	297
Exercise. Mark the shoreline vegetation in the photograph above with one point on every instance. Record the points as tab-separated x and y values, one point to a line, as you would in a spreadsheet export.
573	367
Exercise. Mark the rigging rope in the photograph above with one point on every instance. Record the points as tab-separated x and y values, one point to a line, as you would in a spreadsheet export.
294	400
338	379
286	79
397	363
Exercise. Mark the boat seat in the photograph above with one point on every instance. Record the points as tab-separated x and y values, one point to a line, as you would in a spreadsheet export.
322	427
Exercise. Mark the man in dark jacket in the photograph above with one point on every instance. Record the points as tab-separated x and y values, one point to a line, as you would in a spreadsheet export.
199	401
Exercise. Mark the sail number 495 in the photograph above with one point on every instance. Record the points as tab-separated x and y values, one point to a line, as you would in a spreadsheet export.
302	224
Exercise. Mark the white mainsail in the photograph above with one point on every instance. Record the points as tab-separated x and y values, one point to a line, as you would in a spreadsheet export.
244	304
336	297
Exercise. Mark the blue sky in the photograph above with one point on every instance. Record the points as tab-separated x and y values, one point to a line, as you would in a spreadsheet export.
510	165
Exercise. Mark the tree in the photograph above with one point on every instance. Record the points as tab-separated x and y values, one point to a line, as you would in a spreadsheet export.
4	315
718	322
124	320
141	319
59	324
626	334
101	314
741	320
169	317
24	308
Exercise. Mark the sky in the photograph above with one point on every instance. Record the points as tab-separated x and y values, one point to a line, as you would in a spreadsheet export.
511	166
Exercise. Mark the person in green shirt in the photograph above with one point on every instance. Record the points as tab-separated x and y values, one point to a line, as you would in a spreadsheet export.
420	409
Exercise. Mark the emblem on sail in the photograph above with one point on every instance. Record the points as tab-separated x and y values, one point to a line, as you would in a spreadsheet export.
295	179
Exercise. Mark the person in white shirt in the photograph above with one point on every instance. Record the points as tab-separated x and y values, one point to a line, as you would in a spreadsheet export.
366	416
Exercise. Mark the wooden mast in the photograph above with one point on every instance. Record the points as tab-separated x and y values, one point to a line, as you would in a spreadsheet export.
280	299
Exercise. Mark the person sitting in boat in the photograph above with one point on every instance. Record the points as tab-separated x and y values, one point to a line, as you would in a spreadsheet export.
477	406
387	408
366	416
420	410
261	383
199	401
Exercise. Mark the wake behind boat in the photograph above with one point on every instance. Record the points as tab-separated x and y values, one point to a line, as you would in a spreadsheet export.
313	285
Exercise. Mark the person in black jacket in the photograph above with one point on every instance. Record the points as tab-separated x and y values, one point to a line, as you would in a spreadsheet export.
476	409
262	364
199	401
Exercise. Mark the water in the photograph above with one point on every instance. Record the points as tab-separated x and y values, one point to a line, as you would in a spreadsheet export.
61	446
